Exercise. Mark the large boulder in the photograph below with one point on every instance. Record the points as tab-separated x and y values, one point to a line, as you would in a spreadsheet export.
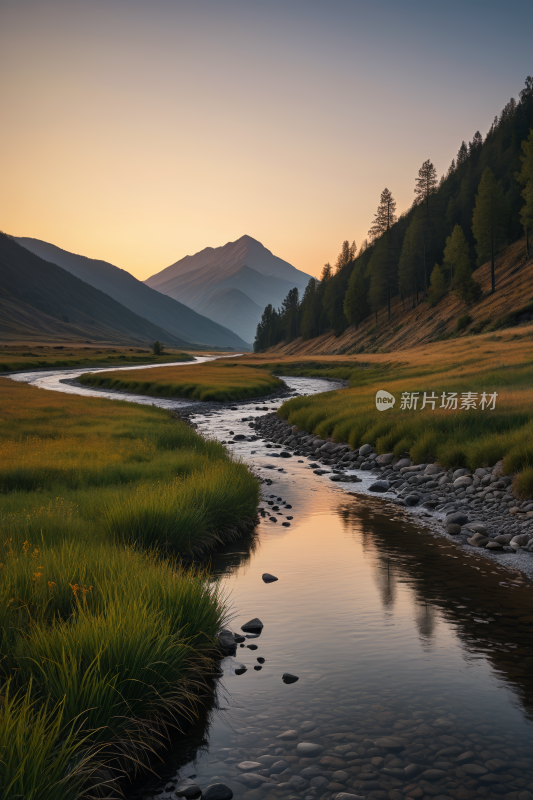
379	486
365	450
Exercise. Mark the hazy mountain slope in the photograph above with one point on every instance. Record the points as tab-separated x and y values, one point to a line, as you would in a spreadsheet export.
245	265
227	259
173	316
231	306
63	303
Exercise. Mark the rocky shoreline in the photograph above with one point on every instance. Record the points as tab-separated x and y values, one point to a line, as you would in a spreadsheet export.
477	509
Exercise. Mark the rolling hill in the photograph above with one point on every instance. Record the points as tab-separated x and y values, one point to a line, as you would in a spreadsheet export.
39	299
179	320
256	275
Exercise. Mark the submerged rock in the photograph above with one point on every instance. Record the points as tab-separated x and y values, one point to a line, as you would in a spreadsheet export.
308	749
217	791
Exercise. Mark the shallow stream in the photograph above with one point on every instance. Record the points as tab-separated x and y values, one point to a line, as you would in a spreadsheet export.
391	631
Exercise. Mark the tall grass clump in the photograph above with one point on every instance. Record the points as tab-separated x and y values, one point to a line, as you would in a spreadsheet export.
211	381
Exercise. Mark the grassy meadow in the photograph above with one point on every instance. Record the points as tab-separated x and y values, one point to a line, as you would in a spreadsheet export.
219	380
40	356
104	635
489	363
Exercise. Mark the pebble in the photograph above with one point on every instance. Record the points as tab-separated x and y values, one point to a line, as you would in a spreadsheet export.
288	678
309	749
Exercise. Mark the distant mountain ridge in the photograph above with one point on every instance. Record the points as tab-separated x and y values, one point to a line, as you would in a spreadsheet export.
256	275
181	322
38	298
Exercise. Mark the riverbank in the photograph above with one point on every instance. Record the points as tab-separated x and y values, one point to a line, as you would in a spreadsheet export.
220	381
477	511
107	640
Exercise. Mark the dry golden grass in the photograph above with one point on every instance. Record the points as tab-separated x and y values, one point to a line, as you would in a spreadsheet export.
497	362
22	356
220	380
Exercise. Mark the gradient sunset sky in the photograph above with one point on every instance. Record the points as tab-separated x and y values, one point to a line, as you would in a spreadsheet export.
140	131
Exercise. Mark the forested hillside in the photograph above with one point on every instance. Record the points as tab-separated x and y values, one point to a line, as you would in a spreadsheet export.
483	203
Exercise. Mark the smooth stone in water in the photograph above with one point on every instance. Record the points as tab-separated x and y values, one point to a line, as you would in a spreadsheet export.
240	669
287	735
433	775
288	678
379	486
248	766
217	791
391	743
253	625
188	789
457	518
278	767
309	749
268	578
319	782
308	725
453	529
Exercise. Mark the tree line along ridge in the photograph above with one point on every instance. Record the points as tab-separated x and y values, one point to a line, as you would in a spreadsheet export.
482	203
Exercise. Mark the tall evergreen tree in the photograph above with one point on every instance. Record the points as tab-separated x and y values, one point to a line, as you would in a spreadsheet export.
426	184
525	178
411	266
457	263
356	306
489	223
290	315
437	286
385	216
310	309
462	155
382	277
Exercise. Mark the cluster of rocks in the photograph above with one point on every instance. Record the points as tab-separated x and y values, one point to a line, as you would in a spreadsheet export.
490	516
435	761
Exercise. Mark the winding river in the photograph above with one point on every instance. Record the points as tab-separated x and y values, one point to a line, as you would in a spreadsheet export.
391	631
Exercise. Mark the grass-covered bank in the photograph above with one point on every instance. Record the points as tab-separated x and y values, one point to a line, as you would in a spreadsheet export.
16	359
211	381
464	437
104	636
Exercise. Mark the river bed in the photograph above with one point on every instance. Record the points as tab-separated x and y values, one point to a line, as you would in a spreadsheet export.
391	631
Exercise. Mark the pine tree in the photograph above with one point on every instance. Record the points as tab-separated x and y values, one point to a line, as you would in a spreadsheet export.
381	279
457	263
525	178
426	184
489	222
385	216
355	300
437	287
345	256
290	315
462	155
310	309
476	144
411	266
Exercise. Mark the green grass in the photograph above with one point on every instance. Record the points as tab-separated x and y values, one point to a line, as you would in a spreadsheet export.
104	636
218	380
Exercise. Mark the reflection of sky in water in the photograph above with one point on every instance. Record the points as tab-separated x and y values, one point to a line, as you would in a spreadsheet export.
368	611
